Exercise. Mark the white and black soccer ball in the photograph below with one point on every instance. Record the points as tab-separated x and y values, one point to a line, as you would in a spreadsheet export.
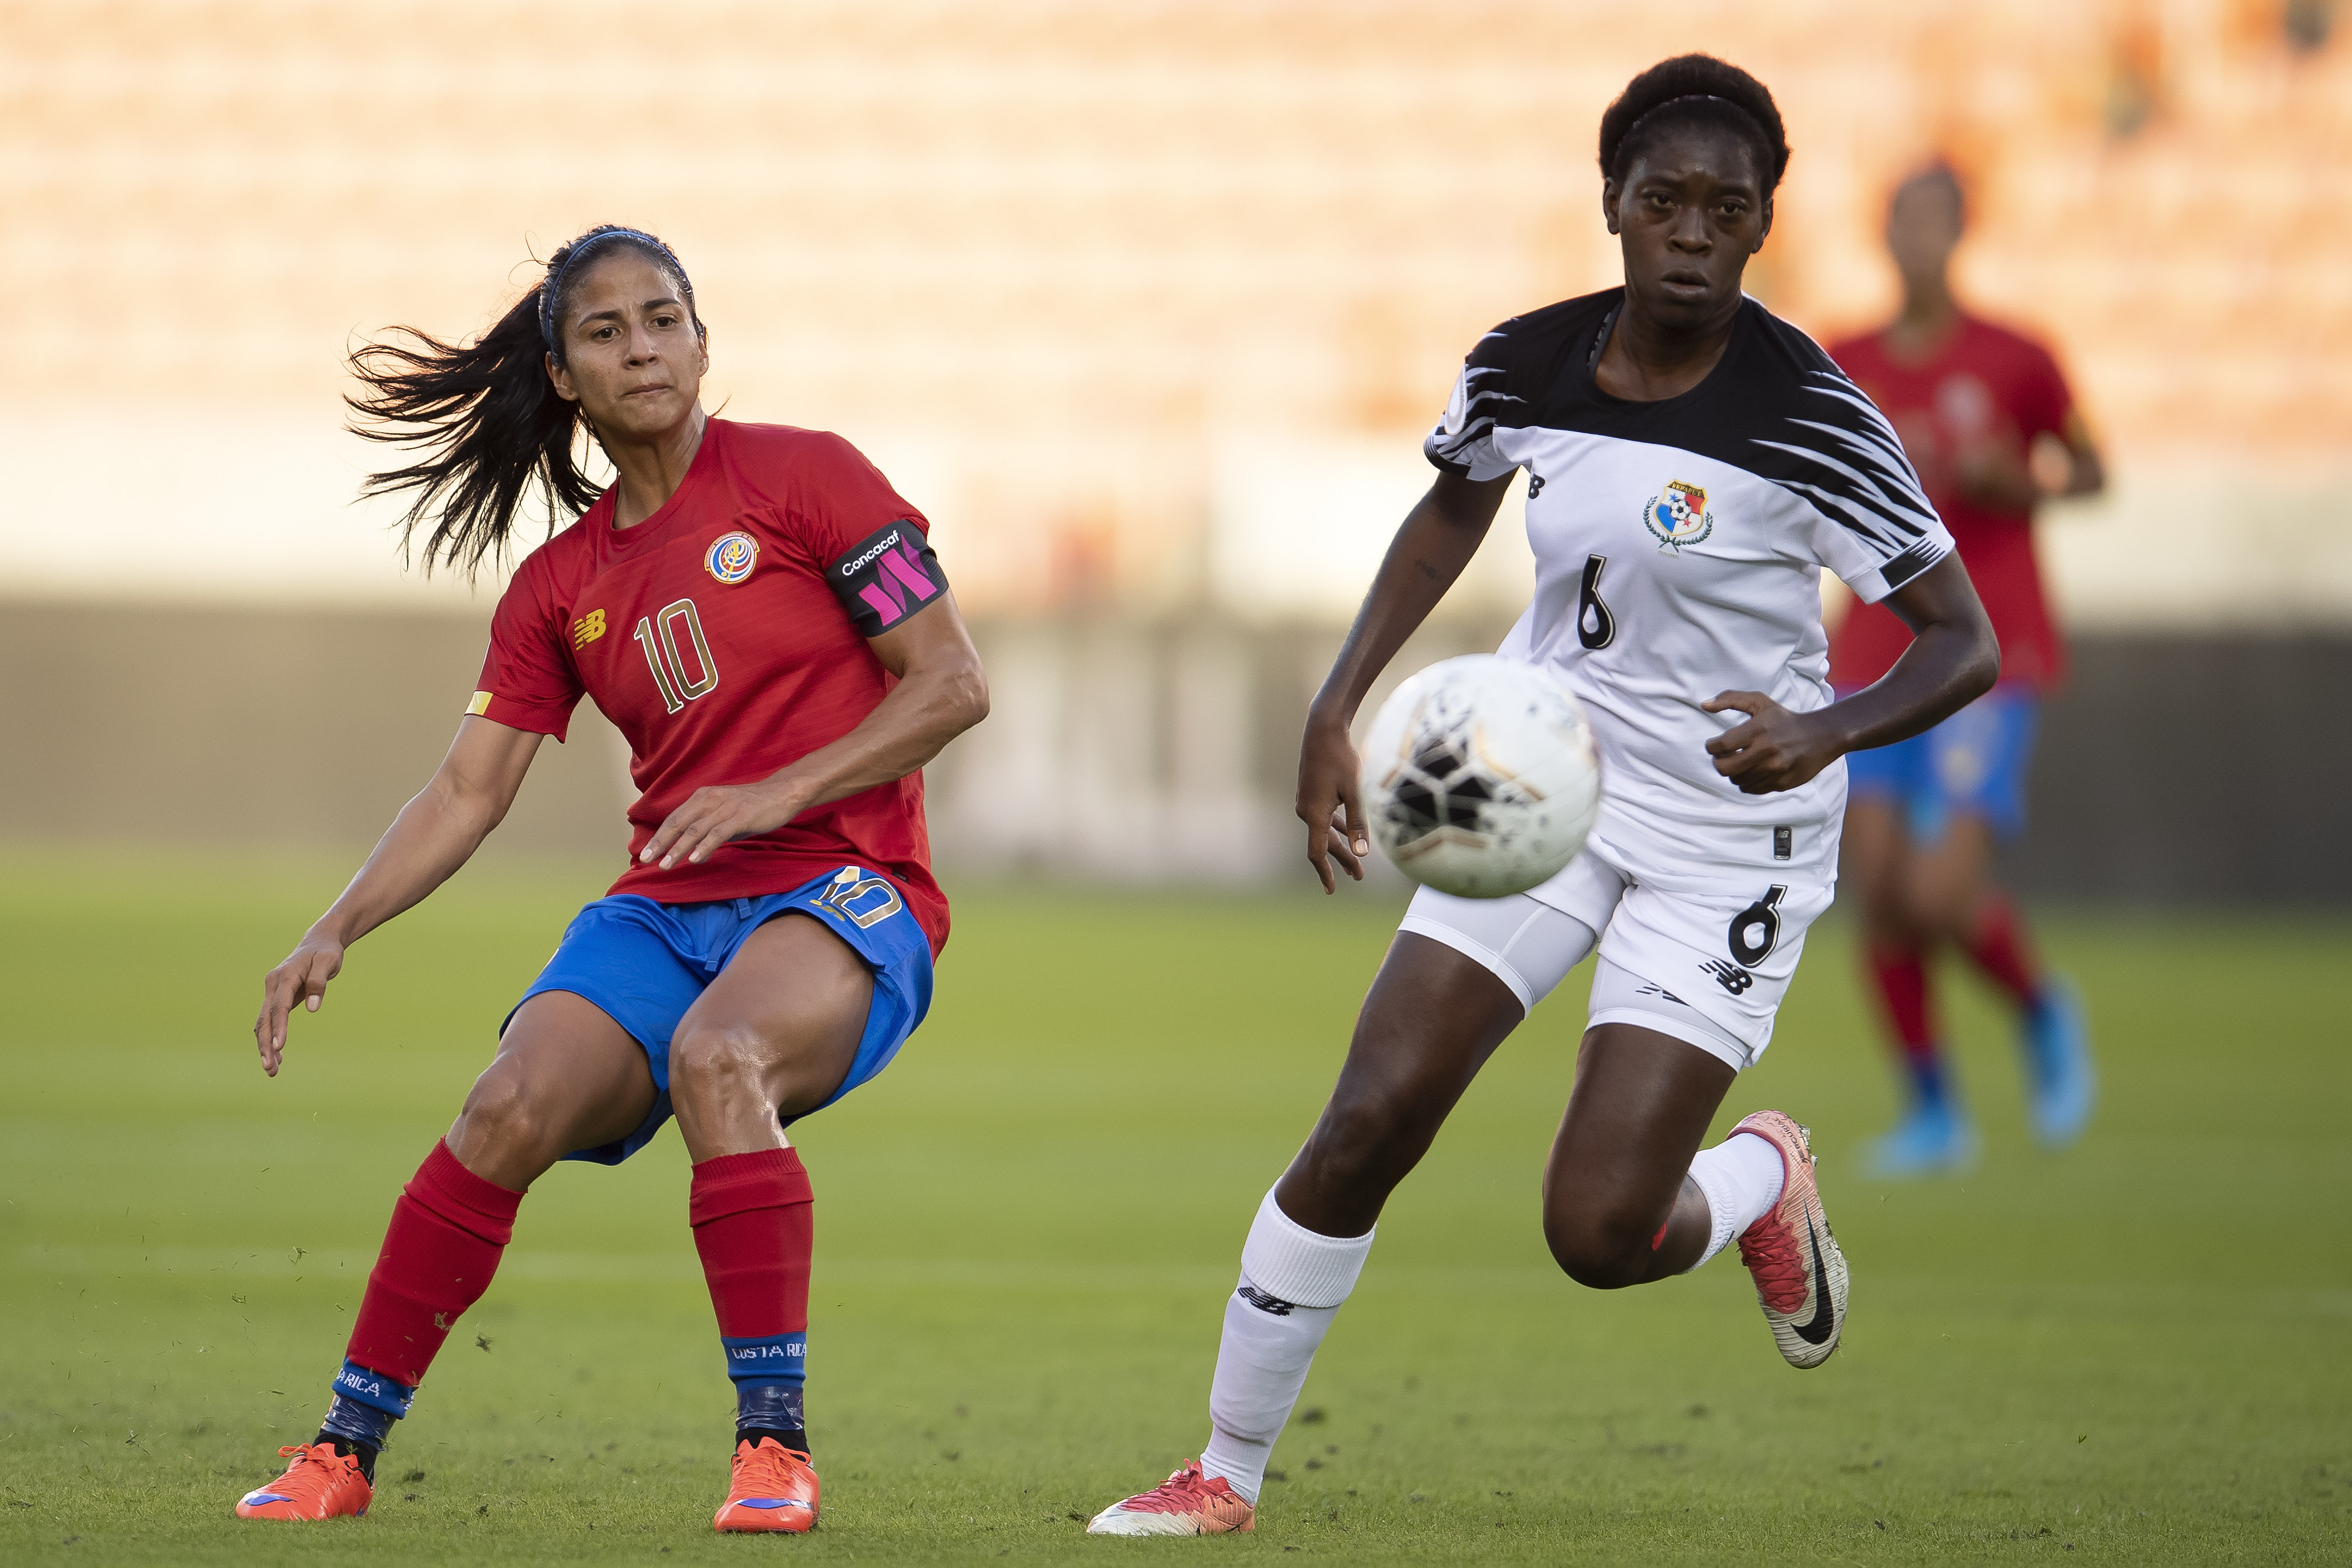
1479	776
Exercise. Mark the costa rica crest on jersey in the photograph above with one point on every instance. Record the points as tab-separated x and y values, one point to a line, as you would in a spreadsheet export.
730	556
1677	515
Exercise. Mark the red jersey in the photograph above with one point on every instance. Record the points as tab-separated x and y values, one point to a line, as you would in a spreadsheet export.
1984	383
725	637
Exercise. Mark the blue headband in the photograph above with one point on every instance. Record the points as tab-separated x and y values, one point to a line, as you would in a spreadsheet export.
577	252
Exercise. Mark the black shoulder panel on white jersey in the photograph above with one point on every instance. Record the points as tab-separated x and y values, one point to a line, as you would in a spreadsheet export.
1506	373
1777	406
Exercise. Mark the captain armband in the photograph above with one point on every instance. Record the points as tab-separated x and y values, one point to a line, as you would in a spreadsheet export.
887	577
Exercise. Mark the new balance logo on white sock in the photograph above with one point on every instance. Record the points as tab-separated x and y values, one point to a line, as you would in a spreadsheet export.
1292	1283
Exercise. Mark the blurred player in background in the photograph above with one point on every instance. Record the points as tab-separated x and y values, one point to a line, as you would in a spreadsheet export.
1694	465
1987	421
762	617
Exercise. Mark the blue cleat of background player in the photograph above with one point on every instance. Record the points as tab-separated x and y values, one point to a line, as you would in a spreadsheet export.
2062	1085
1936	1138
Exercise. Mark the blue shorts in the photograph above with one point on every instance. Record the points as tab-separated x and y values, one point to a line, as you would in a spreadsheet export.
646	963
1973	762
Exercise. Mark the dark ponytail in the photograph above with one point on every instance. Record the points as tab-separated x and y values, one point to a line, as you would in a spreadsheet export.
1694	90
488	422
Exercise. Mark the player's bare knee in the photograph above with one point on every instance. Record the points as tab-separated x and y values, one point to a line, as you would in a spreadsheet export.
1933	907
1599	1250
501	1114
716	1060
1887	916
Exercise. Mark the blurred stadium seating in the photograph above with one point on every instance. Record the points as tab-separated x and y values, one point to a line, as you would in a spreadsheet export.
1144	303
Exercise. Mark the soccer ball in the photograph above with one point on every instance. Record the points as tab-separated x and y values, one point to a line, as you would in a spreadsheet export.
1479	776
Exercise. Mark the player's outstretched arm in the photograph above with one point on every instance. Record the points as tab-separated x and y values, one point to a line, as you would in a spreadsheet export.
435	834
1952	661
941	691
1437	540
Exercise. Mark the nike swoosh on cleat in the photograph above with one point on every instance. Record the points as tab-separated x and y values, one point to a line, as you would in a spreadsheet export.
1825	1319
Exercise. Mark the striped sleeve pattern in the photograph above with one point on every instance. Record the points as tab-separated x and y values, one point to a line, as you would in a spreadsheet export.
1462	444
1838	452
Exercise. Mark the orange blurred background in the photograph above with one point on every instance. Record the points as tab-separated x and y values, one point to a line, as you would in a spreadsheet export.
1079	272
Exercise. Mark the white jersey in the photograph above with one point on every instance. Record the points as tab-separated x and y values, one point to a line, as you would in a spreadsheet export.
1678	549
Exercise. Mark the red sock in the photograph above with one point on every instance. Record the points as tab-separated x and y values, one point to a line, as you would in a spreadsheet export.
1999	946
1901	976
439	1252
754	1224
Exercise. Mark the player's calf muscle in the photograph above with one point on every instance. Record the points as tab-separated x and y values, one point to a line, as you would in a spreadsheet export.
1352	1161
1401	1080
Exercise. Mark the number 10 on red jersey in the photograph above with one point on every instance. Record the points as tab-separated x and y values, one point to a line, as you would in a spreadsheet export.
658	635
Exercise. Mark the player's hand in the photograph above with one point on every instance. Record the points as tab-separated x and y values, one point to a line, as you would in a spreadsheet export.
719	814
1775	749
302	977
1328	801
1995	473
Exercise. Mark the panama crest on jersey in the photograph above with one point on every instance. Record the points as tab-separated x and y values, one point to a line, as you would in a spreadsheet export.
730	556
1677	515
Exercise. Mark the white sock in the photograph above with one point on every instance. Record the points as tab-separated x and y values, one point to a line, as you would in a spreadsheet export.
1292	1283
1741	1177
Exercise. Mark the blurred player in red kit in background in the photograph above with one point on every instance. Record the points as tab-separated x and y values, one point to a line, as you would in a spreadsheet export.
1988	421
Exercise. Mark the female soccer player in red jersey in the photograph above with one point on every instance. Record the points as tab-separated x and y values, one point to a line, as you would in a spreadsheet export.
1694	465
1988	422
763	619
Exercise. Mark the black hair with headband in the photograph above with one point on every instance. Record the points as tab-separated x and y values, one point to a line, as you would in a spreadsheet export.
1694	90
553	296
488	426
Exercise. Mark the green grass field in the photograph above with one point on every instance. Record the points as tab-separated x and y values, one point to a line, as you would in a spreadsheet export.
2133	1353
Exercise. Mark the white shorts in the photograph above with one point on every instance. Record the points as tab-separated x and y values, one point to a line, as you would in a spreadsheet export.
1706	961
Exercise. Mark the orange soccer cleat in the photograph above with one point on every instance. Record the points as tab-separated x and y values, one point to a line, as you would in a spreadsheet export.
1186	1503
772	1487
320	1484
1800	1275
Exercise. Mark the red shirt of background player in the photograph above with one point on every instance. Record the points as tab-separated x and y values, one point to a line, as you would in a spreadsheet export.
1984	384
721	664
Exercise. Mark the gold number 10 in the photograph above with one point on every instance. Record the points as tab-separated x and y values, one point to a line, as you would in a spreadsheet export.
658	635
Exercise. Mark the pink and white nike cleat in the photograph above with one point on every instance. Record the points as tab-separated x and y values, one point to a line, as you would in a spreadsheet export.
1186	1503
1799	1273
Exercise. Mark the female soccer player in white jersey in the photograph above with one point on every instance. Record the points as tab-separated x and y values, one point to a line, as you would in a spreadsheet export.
1693	463
762	618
